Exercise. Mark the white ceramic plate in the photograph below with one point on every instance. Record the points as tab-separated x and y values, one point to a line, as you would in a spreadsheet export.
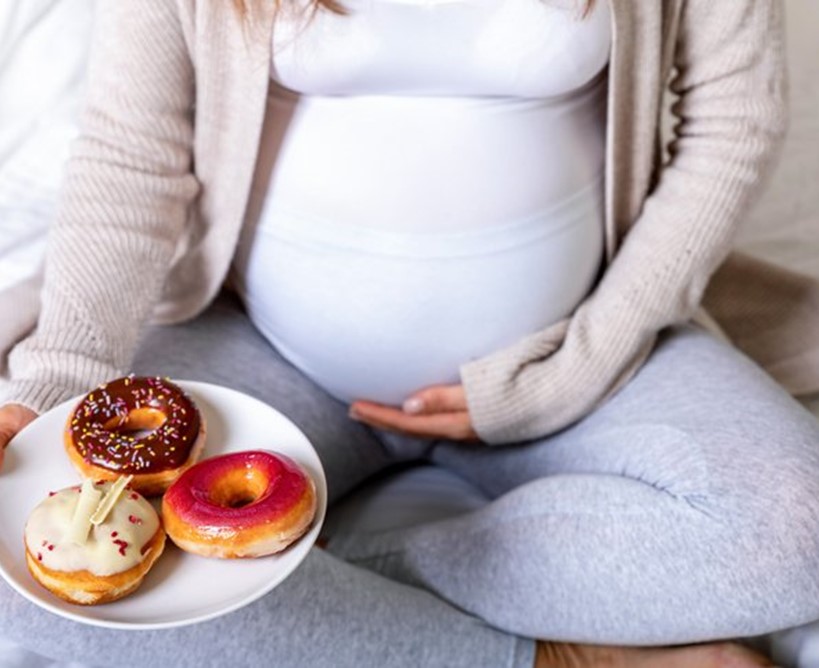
181	588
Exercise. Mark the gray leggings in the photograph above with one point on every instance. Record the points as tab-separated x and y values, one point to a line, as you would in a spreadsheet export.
684	509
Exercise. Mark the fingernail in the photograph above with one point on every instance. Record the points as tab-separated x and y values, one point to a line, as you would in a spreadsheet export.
413	405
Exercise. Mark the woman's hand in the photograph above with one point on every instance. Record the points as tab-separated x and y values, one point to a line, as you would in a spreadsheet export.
439	411
13	418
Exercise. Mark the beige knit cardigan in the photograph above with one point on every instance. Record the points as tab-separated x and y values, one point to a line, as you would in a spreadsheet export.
158	184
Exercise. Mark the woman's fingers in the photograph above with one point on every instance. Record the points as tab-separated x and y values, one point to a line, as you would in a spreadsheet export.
436	399
435	412
13	418
454	426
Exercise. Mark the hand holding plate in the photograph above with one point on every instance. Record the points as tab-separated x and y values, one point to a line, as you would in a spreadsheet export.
13	417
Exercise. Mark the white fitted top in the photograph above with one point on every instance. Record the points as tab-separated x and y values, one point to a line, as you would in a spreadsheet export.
429	186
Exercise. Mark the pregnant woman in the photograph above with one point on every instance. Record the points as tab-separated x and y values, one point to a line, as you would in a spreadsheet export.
450	238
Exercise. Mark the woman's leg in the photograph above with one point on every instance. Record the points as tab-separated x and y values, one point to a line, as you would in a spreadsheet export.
327	613
685	509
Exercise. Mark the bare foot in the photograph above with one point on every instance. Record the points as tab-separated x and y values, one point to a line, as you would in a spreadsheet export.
711	655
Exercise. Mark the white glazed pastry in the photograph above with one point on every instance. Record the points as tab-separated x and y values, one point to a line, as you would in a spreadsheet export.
93	543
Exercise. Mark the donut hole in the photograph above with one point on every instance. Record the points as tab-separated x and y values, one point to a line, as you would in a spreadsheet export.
237	489
138	423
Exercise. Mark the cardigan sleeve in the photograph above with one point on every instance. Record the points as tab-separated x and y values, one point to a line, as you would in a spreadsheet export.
123	206
730	116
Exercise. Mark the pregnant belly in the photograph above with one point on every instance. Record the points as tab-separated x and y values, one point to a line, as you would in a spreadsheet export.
375	315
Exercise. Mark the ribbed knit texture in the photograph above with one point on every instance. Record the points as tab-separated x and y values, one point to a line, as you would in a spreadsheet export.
130	213
123	206
730	79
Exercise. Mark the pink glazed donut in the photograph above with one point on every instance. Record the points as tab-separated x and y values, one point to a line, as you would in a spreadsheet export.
243	504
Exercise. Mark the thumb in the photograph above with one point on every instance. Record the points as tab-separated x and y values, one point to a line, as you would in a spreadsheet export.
13	417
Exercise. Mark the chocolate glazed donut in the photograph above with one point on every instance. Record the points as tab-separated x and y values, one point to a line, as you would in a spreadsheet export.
147	427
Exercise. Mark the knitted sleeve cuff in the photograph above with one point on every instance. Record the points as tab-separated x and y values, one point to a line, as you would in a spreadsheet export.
552	378
41	377
35	396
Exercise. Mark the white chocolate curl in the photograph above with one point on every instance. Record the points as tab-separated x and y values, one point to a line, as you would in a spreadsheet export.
81	521
108	502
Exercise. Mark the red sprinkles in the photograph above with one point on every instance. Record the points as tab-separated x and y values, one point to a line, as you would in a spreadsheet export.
133	519
122	545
